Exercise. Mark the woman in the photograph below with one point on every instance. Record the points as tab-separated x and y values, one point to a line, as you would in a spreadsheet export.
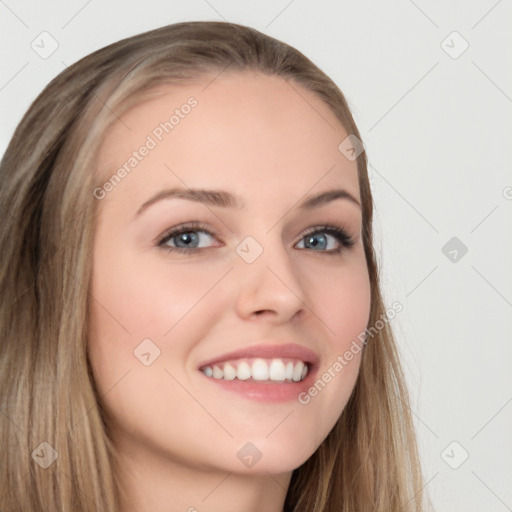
172	338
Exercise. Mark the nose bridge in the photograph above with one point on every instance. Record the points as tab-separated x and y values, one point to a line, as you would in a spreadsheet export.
268	279
266	249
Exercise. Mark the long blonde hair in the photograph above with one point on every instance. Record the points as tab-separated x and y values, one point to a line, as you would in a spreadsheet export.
368	462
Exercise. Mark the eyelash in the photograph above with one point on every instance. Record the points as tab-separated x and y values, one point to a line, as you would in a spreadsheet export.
337	232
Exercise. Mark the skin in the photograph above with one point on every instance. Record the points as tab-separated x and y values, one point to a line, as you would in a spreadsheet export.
177	433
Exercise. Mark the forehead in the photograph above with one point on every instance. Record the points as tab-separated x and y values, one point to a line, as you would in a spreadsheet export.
246	132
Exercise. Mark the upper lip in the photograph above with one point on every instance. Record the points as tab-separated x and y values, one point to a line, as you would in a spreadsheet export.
267	352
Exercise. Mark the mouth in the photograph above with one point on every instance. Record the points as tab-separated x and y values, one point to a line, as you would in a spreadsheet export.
259	370
271	373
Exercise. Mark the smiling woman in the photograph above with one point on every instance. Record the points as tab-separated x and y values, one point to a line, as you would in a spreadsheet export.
158	357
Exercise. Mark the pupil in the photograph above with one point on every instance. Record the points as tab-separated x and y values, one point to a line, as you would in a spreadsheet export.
186	237
311	239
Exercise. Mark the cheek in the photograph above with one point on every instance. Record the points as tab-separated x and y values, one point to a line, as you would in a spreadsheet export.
132	302
341	298
146	301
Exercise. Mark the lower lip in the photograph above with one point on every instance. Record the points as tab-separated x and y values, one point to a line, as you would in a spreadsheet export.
266	391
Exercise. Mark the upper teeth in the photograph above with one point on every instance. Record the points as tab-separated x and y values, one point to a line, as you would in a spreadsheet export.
258	369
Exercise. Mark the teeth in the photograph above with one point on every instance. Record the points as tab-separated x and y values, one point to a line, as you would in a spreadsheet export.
217	373
297	371
288	371
243	372
229	372
276	370
259	369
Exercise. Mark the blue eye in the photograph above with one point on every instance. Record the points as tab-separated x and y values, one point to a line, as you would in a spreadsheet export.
319	237
186	238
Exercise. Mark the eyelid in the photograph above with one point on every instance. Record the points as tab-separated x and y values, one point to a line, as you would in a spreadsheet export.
330	229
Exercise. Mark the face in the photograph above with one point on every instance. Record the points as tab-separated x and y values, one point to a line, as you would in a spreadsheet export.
196	302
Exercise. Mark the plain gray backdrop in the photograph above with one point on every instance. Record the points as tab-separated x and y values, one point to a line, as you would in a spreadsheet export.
430	86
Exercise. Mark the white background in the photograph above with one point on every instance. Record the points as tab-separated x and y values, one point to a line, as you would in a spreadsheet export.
438	134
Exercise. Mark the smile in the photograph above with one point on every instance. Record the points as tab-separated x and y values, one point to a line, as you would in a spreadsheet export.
259	370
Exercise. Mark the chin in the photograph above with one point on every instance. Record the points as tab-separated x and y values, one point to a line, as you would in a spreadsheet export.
263	456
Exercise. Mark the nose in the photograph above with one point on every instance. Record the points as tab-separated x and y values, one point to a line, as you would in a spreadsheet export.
270	287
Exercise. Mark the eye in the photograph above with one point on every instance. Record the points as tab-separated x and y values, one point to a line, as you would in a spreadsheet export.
186	239
319	237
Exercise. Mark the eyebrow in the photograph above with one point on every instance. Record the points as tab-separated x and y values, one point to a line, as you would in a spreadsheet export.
227	200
